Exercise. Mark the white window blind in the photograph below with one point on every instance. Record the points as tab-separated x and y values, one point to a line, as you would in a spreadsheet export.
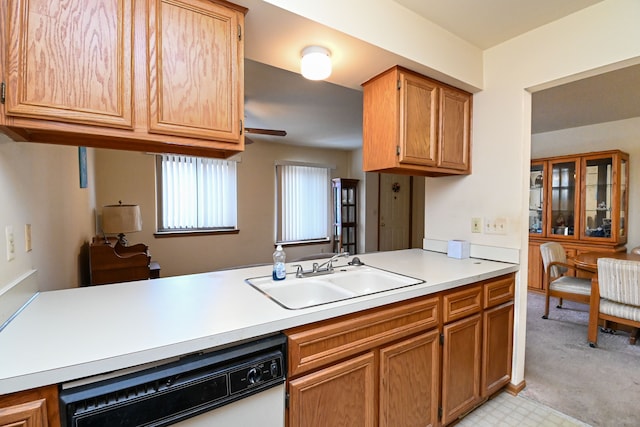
197	193
303	205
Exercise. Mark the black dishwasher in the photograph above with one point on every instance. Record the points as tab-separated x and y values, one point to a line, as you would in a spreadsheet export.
169	393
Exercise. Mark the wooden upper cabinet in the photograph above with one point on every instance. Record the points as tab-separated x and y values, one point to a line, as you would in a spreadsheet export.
455	129
71	62
415	125
419	119
154	75
195	70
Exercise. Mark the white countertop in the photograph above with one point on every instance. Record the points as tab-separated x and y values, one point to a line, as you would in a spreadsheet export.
70	334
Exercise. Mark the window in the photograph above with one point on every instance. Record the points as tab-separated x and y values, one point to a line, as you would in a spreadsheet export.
196	193
302	203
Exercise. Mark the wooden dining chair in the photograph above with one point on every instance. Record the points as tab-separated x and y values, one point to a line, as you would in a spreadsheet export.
617	296
557	281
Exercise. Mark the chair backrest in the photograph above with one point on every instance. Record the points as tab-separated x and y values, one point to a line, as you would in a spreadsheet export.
619	280
553	252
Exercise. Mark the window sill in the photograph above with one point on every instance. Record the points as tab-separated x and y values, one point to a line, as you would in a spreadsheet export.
305	242
163	234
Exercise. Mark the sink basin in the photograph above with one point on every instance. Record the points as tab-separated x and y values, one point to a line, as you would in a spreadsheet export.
344	283
296	293
367	280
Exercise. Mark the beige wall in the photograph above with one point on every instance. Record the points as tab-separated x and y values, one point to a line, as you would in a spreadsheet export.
39	185
130	177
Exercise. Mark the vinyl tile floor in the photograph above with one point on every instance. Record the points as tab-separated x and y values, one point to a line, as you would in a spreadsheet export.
506	410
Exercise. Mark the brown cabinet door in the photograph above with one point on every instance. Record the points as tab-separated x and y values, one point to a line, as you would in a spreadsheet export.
536	268
34	408
455	129
418	120
196	71
409	382
340	395
497	348
70	64
461	356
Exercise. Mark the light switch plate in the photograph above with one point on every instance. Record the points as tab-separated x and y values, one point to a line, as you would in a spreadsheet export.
27	238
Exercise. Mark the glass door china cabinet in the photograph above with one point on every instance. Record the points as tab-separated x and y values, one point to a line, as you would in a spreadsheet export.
345	214
562	209
536	198
580	201
605	197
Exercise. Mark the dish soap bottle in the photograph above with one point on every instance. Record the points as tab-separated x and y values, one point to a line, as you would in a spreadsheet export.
279	272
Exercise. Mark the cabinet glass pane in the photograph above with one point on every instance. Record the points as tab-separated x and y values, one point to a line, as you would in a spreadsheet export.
623	198
536	199
563	193
598	197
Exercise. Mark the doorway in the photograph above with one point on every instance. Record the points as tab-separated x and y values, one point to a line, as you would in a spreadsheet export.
401	212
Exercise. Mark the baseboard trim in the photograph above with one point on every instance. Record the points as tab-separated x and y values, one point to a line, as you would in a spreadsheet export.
514	389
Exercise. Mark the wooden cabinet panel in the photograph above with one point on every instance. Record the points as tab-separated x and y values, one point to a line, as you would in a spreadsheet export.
409	382
461	358
419	119
340	395
194	81
455	129
125	75
536	269
461	303
499	291
72	63
415	125
316	345
497	348
33	408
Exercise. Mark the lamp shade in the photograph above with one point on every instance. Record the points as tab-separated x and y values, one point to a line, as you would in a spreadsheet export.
121	219
315	63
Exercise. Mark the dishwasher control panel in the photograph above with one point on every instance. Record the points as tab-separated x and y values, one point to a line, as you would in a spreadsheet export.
256	373
164	394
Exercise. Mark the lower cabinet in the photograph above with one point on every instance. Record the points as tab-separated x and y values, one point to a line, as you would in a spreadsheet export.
409	372
340	395
33	408
422	362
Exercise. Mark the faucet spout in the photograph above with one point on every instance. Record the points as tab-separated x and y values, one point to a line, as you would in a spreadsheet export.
328	265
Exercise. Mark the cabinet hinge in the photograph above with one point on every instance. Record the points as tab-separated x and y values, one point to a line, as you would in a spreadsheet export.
286	400
3	89
239	32
439	413
441	339
399	84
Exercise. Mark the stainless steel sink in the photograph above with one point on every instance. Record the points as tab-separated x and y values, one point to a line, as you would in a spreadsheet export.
344	283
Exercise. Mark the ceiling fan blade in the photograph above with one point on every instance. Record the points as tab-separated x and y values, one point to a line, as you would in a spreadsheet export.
273	132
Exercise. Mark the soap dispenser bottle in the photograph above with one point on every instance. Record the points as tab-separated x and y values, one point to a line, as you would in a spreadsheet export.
279	272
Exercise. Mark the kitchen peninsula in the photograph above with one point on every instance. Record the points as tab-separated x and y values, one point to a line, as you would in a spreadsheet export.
74	333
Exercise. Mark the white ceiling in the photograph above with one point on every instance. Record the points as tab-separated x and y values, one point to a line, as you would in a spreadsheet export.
329	114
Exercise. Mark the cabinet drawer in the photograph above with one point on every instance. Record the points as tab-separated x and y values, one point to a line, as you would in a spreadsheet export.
461	303
320	344
499	291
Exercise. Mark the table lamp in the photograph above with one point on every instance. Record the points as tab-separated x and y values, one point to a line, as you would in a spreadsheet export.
120	219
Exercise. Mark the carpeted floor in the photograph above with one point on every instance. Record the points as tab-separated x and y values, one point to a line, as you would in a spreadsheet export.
599	386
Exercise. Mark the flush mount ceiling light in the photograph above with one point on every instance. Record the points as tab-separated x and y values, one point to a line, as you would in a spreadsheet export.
315	63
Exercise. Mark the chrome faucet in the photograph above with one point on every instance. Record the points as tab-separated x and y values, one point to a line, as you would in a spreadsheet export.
319	269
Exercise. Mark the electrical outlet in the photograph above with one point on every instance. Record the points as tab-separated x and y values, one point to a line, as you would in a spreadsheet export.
497	225
476	225
11	247
27	238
